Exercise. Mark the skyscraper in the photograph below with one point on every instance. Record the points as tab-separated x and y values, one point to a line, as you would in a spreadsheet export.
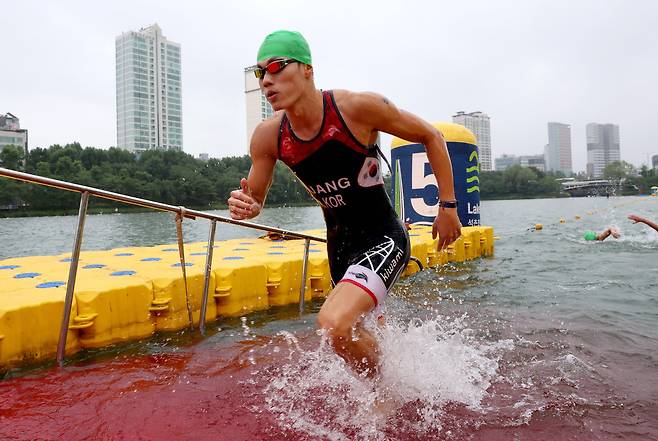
478	123
602	147
258	108
149	103
557	153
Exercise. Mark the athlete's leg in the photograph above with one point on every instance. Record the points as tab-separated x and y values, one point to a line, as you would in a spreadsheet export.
341	317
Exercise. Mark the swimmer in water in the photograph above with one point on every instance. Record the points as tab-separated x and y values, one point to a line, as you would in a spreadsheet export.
327	138
612	231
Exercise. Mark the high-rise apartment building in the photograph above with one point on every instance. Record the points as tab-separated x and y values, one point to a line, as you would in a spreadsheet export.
258	108
557	153
506	161
11	132
478	123
602	147
535	161
149	102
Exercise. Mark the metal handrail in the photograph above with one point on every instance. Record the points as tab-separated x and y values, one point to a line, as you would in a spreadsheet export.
181	212
131	200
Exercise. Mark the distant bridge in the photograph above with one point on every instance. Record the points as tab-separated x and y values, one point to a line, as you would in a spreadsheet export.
602	187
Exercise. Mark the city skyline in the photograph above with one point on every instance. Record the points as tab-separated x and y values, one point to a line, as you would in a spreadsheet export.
509	65
603	144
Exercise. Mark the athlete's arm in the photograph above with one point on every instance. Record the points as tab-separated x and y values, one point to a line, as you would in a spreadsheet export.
376	111
248	201
637	219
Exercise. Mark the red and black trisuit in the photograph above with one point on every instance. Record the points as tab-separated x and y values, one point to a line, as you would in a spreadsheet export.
367	244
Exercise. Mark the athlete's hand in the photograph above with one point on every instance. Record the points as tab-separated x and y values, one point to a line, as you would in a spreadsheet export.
635	218
447	226
241	205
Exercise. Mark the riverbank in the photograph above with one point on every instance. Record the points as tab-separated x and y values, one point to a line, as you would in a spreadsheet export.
6	214
221	206
215	206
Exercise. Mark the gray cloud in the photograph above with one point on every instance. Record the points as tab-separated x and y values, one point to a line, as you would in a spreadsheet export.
523	63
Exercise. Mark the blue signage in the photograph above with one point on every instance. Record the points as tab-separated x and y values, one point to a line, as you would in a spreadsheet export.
416	193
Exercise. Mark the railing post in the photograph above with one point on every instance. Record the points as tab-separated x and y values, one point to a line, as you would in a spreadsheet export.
181	253
302	290
70	286
206	284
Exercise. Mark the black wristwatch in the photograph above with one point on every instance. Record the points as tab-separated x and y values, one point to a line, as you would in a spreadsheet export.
448	204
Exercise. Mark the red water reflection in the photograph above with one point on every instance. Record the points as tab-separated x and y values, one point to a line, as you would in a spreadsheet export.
217	393
200	395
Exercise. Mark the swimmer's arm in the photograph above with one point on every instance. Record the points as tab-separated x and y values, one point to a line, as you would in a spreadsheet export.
248	201
637	219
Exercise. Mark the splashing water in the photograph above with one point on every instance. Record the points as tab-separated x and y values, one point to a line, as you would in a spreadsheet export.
425	365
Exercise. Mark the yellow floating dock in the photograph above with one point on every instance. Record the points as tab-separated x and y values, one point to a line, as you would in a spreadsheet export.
130	293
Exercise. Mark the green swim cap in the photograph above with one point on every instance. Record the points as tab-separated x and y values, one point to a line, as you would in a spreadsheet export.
289	44
590	235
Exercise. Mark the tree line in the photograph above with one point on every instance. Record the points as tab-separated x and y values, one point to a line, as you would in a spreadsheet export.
517	182
177	178
168	176
634	180
528	182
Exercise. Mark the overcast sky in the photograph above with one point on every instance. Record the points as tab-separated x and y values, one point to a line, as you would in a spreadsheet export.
524	63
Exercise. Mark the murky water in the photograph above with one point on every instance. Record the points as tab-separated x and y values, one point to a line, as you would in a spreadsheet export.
55	234
552	338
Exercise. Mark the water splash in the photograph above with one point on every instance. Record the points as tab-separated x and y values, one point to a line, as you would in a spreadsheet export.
425	366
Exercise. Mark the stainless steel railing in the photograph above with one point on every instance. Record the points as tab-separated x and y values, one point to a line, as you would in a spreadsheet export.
179	211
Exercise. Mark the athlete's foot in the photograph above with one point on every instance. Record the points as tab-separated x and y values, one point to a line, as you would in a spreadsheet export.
361	353
385	403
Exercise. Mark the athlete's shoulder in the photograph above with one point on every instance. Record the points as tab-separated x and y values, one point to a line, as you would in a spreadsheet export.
271	124
349	101
266	135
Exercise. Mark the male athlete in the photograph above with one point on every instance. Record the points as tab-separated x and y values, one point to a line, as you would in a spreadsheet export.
327	139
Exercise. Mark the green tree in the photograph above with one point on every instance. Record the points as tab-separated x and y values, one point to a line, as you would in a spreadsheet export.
518	179
618	170
12	193
12	156
648	177
34	157
91	157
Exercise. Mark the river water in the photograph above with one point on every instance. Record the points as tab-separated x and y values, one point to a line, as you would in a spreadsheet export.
552	338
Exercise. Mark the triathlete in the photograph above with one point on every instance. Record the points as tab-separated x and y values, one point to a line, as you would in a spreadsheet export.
611	231
327	139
